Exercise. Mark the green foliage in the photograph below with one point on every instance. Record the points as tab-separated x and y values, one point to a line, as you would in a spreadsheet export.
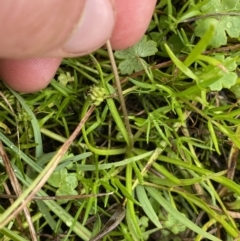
133	57
236	90
182	100
174	225
223	18
176	221
147	207
65	183
227	77
172	228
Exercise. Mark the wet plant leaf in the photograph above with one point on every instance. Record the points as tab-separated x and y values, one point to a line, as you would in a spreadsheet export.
225	24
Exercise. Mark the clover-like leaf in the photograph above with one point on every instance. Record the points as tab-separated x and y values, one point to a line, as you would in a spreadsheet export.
58	177
224	24
227	78
64	190
174	225
71	180
132	57
226	81
216	6
65	182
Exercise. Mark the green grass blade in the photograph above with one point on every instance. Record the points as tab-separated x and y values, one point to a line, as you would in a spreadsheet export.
22	155
98	151
118	120
132	219
46	214
12	235
115	164
130	222
177	215
221	219
35	125
180	64
124	190
200	46
213	136
147	206
220	179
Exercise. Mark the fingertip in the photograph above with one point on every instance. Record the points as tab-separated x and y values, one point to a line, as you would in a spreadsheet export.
132	20
28	75
94	29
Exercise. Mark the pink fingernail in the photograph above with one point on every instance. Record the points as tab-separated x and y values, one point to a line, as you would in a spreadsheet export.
94	28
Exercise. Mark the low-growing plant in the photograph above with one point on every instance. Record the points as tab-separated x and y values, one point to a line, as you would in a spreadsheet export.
139	144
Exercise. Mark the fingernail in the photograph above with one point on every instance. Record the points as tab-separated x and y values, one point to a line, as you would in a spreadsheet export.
94	28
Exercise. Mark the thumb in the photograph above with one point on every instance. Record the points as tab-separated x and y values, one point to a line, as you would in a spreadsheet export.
56	28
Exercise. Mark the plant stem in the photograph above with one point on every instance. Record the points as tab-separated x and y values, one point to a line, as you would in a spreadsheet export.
120	94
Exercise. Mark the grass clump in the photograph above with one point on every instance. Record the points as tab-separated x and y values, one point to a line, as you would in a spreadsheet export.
156	156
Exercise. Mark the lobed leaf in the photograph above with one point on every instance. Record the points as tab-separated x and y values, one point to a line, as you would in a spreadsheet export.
225	24
132	57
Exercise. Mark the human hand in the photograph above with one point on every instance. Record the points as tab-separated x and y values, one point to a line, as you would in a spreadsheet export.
36	35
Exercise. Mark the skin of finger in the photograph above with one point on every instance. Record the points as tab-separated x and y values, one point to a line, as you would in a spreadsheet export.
132	20
31	28
29	75
94	30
